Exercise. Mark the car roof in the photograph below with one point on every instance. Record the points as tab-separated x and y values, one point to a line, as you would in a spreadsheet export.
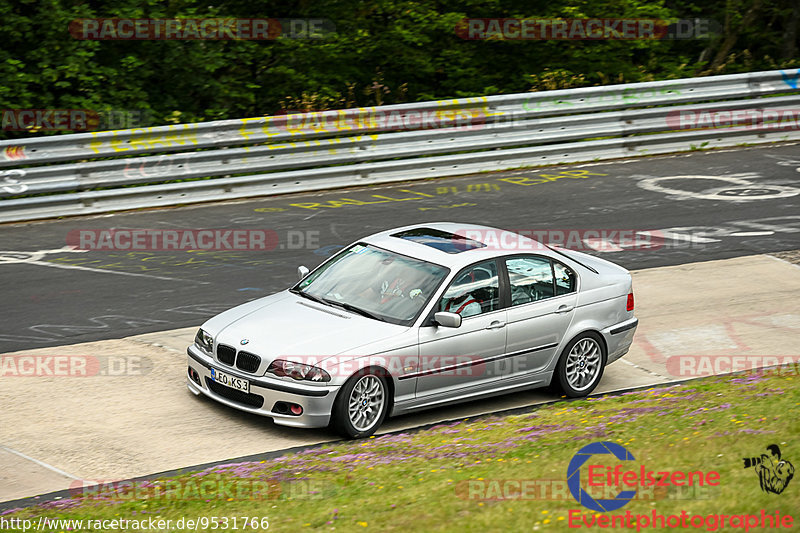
497	242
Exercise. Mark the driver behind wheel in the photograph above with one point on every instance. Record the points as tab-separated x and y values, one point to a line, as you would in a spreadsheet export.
392	289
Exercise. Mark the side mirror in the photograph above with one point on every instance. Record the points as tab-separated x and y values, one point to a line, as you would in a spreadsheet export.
448	320
302	272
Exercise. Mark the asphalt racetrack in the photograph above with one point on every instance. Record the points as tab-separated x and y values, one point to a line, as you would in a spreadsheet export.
704	206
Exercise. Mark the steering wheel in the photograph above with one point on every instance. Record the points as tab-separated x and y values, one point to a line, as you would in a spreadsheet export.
393	289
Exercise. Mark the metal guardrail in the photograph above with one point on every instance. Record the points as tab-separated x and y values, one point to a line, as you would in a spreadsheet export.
312	151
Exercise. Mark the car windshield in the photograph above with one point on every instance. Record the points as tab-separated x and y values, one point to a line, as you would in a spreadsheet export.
375	282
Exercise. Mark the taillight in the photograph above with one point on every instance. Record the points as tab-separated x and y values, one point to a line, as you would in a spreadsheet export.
630	302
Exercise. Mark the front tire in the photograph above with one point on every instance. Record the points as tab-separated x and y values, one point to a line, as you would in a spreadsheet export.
361	405
581	365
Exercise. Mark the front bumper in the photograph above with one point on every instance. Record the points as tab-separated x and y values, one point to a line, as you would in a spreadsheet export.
619	338
317	401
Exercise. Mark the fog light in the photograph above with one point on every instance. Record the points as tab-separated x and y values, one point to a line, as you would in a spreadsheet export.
286	408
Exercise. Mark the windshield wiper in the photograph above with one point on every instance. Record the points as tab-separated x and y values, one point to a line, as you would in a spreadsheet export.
356	310
311	297
343	305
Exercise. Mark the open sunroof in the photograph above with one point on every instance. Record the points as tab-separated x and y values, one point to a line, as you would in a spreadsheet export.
450	243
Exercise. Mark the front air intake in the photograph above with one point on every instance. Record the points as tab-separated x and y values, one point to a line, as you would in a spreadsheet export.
248	362
226	354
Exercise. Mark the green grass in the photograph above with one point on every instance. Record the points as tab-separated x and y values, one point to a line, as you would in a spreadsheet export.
420	480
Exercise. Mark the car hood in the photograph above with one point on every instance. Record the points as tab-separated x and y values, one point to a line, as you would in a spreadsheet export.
287	325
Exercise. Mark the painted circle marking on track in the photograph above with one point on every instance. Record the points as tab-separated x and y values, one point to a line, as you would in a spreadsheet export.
751	192
736	188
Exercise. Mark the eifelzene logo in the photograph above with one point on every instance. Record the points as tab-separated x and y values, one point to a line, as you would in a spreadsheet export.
600	476
774	473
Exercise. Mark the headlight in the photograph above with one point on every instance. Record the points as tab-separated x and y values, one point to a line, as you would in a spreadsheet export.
204	341
298	371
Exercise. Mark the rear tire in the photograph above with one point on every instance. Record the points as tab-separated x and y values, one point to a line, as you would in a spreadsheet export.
581	365
361	406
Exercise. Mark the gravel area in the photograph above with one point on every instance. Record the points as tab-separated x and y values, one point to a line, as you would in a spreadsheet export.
793	256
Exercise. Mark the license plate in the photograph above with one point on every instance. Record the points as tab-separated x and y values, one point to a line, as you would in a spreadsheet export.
230	381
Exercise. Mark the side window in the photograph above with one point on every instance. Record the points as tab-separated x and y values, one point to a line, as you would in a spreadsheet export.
531	279
566	280
474	291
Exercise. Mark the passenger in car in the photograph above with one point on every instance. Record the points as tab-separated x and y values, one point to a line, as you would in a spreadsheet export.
465	305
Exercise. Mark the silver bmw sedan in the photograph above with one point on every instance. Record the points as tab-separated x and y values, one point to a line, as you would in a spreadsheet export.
414	318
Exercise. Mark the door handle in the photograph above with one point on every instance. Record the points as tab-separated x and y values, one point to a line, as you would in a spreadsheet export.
564	309
495	325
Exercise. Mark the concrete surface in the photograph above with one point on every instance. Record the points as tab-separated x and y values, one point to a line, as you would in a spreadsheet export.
20	474
135	416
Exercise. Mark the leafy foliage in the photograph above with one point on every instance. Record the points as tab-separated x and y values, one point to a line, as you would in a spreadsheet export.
383	52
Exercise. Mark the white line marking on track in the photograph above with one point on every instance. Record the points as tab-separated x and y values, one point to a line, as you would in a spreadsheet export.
90	269
643	369
752	233
40	463
782	260
35	258
686	237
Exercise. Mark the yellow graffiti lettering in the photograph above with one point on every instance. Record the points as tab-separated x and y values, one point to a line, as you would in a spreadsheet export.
582	173
446	115
243	131
278	146
95	144
345	201
118	145
473	187
190	261
417	192
390	199
307	205
544	178
174	138
523	180
138	140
